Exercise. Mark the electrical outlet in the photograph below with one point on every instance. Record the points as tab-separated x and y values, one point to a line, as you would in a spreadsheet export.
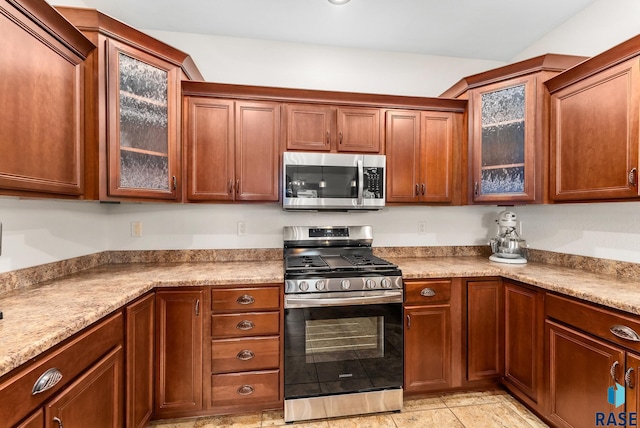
422	227
136	229
242	228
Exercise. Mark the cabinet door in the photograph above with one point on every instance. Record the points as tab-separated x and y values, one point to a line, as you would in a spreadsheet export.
503	141
427	348
594	136
142	130
140	319
485	333
309	127
579	371
436	157
632	370
179	347
257	151
95	399
41	107
359	129
210	149
36	420
523	329
403	154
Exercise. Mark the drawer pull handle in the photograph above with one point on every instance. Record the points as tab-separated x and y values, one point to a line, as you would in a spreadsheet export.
245	299
612	371
58	421
245	355
428	292
633	174
46	381
245	325
245	390
628	378
624	332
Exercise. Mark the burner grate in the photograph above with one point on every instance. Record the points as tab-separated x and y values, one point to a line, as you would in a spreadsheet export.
365	260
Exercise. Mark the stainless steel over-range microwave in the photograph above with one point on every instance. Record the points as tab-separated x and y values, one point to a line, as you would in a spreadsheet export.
333	181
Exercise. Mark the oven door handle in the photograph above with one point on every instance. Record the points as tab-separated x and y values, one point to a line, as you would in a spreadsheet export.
360	183
312	302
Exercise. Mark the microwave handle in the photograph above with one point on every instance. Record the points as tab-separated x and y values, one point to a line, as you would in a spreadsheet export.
360	183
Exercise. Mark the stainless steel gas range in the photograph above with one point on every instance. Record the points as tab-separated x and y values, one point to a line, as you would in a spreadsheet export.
343	336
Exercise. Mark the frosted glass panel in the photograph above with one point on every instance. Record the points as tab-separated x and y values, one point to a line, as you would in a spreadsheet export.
143	125
503	141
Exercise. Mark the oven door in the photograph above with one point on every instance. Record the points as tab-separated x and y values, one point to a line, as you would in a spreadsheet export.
343	347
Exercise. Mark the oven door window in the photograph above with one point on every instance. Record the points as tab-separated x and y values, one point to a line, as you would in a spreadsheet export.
339	350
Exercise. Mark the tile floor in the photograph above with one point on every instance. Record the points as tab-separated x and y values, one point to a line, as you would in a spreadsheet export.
479	409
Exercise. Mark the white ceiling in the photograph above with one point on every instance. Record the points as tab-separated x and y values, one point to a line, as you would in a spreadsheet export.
481	29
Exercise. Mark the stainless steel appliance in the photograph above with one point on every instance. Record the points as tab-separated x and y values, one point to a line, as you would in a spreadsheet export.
333	181
507	246
343	332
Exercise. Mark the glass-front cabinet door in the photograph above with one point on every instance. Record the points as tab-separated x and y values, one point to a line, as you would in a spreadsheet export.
142	137
503	141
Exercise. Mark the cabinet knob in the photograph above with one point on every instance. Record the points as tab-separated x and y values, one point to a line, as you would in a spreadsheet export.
175	183
427	292
245	299
230	190
245	355
613	370
340	137
628	378
245	325
417	189
408	322
46	381
245	390
423	188
237	186
475	188
624	332
633	177
58	421
328	138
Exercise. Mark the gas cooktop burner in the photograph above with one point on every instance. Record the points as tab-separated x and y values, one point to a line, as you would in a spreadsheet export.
365	260
305	262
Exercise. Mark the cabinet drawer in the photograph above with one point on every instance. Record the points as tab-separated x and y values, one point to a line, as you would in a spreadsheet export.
70	360
248	389
237	355
245	299
595	320
425	292
245	324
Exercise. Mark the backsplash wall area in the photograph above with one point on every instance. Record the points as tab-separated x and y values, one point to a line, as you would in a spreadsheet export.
43	231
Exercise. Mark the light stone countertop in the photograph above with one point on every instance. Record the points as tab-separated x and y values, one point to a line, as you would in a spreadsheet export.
39	317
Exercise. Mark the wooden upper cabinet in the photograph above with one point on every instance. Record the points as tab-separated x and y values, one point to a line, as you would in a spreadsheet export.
132	105
503	141
42	102
232	149
327	128
309	127
209	148
594	134
142	135
422	156
257	151
508	129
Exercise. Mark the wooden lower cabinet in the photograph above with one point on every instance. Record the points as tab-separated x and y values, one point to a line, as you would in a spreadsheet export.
579	370
179	352
485	329
432	343
93	400
523	340
140	357
246	350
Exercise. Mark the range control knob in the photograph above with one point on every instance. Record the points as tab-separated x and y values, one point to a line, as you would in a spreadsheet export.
303	286
320	285
385	283
345	284
370	283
